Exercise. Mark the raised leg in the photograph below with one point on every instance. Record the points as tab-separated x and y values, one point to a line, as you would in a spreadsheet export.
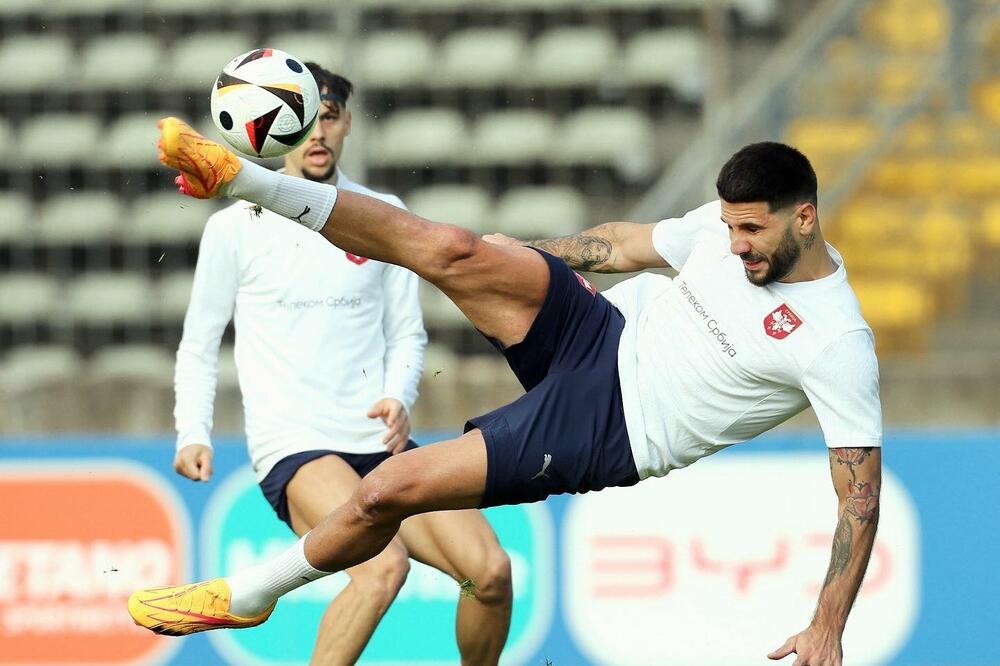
500	288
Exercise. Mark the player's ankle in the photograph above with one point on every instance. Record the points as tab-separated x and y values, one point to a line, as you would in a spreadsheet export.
251	183
256	588
247	597
298	199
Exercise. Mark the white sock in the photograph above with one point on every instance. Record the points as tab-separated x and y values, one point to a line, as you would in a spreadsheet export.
258	587
298	199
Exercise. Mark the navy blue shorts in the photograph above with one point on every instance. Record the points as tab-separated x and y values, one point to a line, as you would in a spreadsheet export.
567	433
275	483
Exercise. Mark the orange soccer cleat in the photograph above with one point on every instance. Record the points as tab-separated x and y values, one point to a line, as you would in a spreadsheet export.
187	609
205	165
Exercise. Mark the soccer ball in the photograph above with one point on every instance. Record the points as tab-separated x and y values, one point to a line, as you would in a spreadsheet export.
265	102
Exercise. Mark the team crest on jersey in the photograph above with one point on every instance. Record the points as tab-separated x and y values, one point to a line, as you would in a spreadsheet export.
586	285
780	323
356	259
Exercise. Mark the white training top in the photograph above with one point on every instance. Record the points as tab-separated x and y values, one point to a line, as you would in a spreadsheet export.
321	335
707	359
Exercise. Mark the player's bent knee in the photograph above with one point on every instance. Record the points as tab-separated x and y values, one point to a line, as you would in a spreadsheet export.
492	582
382	495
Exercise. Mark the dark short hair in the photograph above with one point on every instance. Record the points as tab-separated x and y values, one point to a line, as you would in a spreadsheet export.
768	171
331	84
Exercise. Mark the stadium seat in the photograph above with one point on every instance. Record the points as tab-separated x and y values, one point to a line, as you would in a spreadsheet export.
570	56
173	293
32	367
623	138
468	206
6	139
87	7
480	58
907	25
485	382
986	99
312	45
439	310
58	139
140	363
990	224
897	310
541	212
119	61
195	61
28	297
438	387
130	141
16	221
15	7
32	62
105	299
129	388
512	137
417	137
394	59
79	217
270	6
535	5
671	57
166	217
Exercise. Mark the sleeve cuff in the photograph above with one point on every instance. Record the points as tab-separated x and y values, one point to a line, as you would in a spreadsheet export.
198	435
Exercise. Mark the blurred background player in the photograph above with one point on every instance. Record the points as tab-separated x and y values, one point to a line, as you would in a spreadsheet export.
329	350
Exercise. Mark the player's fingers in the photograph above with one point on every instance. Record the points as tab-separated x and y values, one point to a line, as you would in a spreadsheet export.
392	434
205	466
784	650
377	410
186	466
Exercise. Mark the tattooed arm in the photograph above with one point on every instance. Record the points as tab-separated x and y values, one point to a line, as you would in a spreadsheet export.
615	247
857	478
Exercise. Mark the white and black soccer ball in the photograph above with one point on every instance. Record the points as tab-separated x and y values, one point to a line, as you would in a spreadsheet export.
265	102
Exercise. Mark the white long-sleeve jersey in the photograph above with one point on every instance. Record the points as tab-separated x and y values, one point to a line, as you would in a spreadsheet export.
321	335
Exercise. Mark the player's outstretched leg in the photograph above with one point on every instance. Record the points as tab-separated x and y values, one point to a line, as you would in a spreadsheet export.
447	475
499	288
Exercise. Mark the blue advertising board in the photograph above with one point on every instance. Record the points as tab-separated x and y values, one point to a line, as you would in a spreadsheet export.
714	564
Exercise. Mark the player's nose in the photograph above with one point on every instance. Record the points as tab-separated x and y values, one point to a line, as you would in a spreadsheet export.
738	245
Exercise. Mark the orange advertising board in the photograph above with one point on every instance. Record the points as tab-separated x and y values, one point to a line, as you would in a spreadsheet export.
75	540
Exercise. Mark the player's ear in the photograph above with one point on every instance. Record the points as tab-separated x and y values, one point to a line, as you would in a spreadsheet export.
805	218
347	121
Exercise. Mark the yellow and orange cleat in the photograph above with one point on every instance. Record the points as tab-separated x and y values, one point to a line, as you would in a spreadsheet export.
187	609
205	165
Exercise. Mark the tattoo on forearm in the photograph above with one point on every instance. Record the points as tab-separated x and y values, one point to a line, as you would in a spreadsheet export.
862	501
842	546
852	457
588	253
861	505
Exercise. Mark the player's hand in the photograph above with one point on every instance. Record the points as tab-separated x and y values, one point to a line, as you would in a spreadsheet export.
500	239
393	414
194	461
814	646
